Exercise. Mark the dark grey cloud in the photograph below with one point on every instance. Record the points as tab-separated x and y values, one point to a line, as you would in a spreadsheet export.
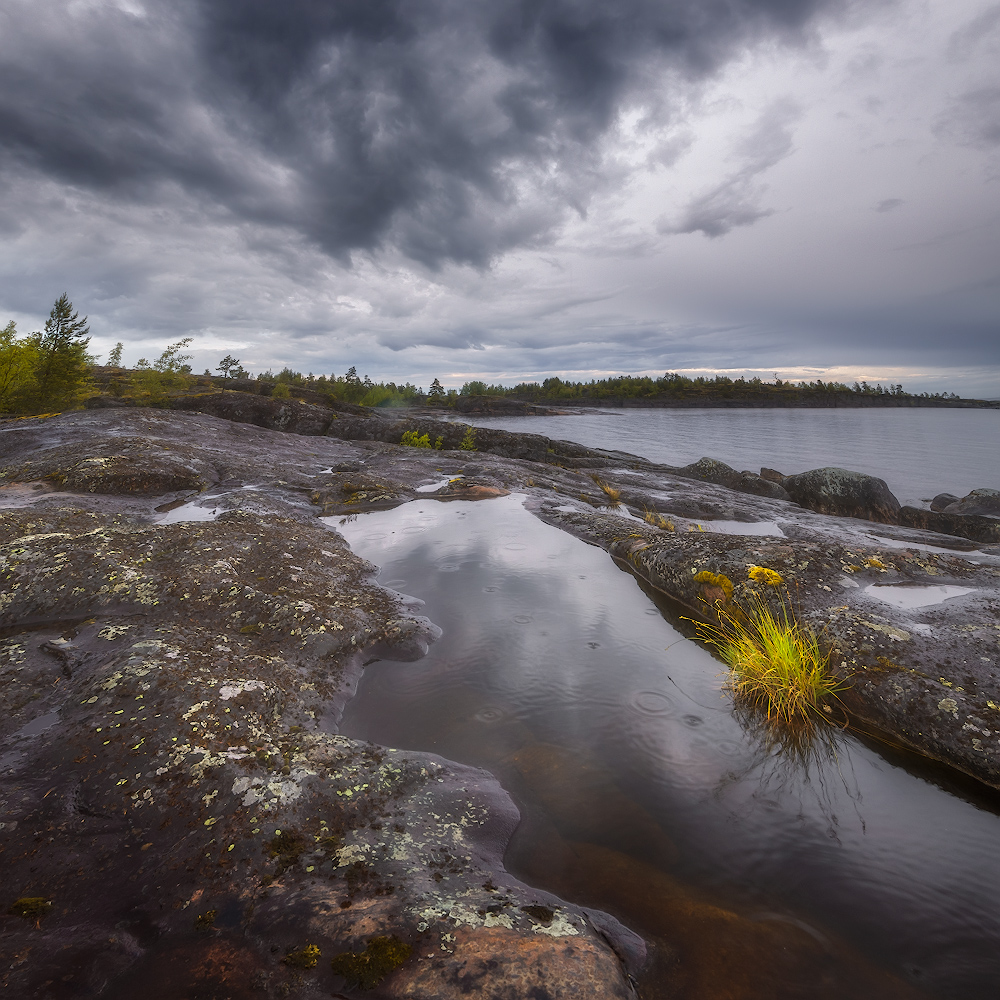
736	201
888	204
450	130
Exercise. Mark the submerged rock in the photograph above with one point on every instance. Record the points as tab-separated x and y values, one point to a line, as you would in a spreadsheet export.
839	491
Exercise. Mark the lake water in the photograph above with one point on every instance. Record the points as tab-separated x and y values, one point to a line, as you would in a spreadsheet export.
752	873
918	452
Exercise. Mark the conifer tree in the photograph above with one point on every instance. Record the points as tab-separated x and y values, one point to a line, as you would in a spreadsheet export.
436	391
62	362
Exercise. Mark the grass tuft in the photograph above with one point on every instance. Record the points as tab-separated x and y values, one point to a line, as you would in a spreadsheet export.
614	496
775	661
657	520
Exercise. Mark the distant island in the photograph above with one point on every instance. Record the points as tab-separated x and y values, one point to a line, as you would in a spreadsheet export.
673	390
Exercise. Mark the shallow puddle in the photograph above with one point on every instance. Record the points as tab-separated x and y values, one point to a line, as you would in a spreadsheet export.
754	873
916	597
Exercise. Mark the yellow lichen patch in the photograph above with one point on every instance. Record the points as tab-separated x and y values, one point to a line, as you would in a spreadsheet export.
761	574
304	958
875	562
715	581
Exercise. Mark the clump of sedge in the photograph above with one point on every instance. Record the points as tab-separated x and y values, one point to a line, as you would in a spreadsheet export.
775	661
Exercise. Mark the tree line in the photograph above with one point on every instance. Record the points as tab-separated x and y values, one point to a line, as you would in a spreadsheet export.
52	370
679	387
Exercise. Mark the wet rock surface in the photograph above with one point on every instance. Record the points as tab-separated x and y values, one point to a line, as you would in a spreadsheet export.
172	776
173	783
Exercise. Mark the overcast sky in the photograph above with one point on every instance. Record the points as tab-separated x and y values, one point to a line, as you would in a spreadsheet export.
506	189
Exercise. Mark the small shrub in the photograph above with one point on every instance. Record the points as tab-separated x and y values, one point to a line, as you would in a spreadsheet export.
469	441
414	440
281	391
30	907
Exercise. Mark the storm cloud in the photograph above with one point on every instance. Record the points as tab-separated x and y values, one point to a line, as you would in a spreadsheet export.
451	130
500	187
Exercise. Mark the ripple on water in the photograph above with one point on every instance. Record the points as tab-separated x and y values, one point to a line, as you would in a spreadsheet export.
652	703
729	748
523	619
490	713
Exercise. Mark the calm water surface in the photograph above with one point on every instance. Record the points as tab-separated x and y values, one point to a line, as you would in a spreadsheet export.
641	790
918	452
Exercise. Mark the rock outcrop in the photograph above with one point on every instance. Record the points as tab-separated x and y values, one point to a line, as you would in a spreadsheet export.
845	493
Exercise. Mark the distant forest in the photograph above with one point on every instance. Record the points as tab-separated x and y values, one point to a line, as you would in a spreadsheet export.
53	370
672	389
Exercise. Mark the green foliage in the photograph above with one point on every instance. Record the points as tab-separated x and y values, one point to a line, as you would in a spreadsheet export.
469	441
412	440
366	969
775	661
230	366
30	907
115	355
679	388
281	391
436	392
61	365
17	364
167	372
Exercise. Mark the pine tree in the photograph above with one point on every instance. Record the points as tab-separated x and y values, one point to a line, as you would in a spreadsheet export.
436	391
227	364
62	362
115	357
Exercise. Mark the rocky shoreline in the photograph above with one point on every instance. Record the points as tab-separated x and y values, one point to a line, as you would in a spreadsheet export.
173	781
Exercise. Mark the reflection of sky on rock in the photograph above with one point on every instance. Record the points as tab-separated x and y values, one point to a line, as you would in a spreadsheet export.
916	597
546	643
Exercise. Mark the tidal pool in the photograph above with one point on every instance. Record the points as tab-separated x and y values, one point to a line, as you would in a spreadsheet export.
830	872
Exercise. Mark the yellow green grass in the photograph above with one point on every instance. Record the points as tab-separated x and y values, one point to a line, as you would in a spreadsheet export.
614	495
775	661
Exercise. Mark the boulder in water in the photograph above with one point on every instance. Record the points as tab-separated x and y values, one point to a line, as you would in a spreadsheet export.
942	500
846	493
984	503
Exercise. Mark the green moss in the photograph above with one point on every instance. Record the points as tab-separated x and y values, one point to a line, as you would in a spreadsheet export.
304	958
286	847
366	969
30	907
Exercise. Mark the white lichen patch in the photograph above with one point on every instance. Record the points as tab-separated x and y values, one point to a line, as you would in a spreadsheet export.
231	690
561	925
114	631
